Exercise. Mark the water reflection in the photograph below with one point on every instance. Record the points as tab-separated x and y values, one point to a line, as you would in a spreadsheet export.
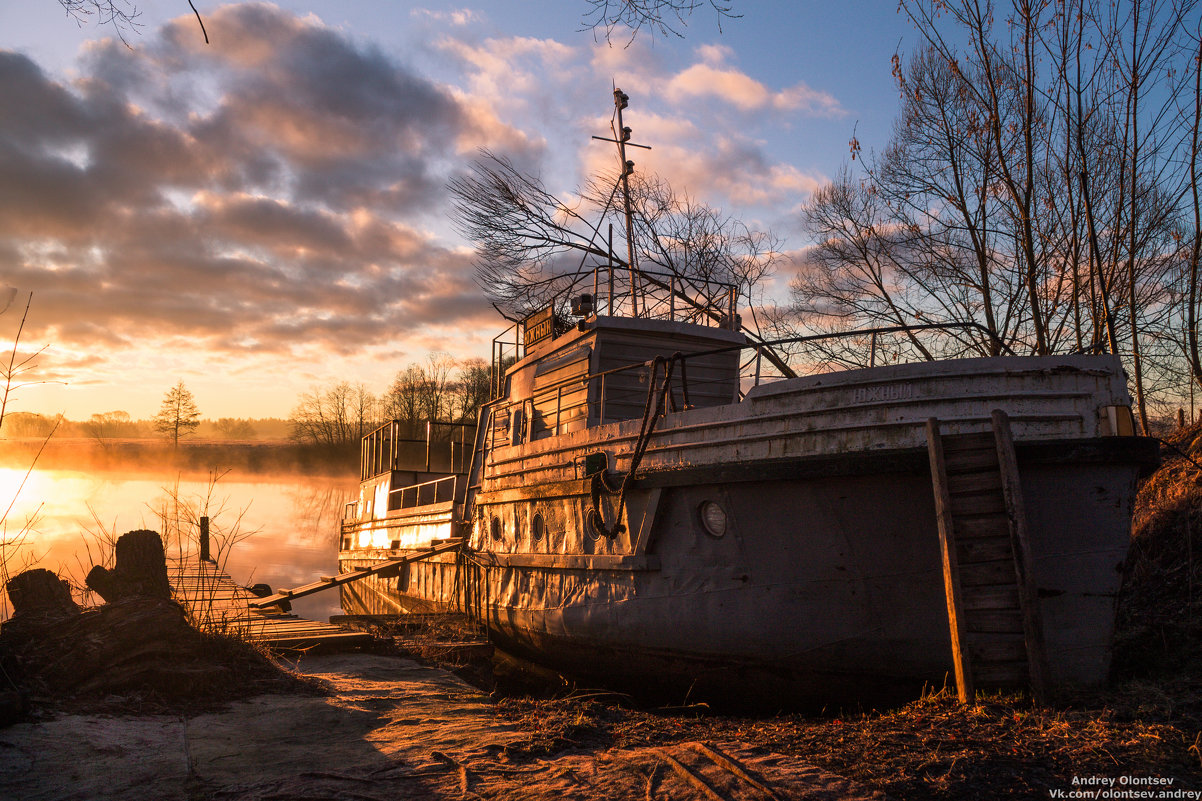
280	530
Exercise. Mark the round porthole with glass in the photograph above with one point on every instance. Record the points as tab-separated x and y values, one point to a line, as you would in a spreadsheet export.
713	518
537	527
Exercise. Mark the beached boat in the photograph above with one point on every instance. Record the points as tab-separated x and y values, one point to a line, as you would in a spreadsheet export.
633	509
638	507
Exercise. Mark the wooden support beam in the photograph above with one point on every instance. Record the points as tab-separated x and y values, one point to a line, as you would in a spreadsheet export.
385	568
951	572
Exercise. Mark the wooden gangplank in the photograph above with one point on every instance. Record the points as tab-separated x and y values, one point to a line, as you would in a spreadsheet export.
384	569
992	604
217	604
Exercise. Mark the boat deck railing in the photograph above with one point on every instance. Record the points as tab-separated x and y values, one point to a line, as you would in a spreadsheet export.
443	449
439	490
641	293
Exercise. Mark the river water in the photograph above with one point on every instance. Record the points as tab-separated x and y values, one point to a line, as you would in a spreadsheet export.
277	529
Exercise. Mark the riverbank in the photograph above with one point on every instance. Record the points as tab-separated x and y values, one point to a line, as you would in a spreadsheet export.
423	719
388	728
1145	728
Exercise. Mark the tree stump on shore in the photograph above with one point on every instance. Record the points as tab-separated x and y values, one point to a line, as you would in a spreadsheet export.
139	646
40	592
140	571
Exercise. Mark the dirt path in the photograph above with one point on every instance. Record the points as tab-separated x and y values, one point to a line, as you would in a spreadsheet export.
392	729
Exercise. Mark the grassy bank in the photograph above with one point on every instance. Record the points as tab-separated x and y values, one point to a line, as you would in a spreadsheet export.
251	456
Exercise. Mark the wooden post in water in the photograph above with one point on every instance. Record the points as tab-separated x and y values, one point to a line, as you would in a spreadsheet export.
204	540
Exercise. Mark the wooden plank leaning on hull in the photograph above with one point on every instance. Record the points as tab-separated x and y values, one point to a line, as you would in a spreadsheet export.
1023	568
951	570
384	569
987	577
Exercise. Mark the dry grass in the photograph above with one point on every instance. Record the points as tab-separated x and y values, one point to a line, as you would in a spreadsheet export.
933	748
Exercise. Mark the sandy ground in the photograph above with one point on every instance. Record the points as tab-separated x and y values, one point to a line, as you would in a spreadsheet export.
392	729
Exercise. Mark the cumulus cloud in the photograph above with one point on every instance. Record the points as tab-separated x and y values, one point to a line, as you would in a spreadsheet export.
713	77
280	199
260	198
457	17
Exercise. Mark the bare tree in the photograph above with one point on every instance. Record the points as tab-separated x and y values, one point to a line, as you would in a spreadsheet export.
663	17
235	428
27	424
108	425
1194	246
534	249
1034	187
522	234
471	390
121	15
422	393
339	415
178	416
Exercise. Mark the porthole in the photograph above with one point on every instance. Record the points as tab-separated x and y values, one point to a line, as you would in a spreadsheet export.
713	519
496	528
537	527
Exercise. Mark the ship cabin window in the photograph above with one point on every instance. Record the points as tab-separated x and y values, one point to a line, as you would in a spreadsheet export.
537	527
495	528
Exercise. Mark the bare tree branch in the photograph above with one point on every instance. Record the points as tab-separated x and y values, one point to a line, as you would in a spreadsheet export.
660	17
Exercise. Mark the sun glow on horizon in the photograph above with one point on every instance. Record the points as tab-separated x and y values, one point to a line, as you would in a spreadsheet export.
17	485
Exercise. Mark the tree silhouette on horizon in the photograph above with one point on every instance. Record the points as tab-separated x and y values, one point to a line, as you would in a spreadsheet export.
178	415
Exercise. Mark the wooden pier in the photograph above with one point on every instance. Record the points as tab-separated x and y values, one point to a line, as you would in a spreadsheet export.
217	604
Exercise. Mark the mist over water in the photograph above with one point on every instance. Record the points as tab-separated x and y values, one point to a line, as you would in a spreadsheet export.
280	529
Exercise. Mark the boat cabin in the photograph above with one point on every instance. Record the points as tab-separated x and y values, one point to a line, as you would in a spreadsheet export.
597	372
550	378
400	473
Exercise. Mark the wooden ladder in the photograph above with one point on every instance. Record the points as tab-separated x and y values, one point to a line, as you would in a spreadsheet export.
992	605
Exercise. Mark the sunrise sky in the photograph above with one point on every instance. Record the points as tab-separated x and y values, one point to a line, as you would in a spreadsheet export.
268	213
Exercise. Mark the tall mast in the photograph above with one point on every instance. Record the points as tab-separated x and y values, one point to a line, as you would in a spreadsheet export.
622	135
622	139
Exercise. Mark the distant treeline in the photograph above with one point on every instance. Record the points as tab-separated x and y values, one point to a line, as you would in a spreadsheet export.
443	389
119	425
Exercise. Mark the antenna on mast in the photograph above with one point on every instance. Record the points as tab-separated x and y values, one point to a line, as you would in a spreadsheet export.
622	140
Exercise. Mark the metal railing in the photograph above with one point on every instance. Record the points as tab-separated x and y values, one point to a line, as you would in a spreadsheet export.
440	490
383	450
663	296
668	296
